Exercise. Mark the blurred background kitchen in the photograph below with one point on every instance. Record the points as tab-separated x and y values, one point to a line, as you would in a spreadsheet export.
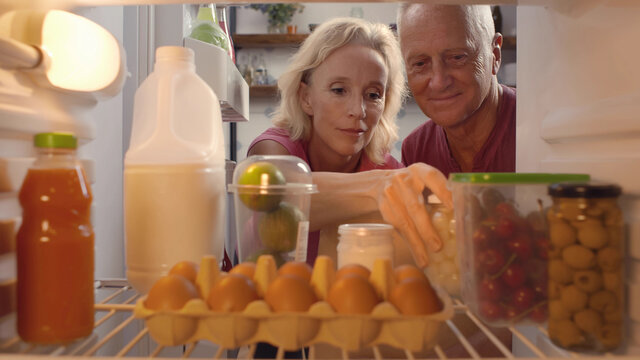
276	49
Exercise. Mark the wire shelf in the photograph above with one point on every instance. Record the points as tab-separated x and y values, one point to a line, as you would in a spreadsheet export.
118	334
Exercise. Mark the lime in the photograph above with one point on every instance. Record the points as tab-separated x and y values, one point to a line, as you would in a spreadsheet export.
278	229
211	34
265	174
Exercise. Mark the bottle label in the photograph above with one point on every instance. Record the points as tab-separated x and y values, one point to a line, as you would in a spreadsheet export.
301	246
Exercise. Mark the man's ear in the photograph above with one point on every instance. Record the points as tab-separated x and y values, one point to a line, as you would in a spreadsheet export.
496	48
303	98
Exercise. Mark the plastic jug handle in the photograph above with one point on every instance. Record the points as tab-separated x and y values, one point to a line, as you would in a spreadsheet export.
163	132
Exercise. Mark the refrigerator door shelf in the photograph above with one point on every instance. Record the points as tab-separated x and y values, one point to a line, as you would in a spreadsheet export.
215	67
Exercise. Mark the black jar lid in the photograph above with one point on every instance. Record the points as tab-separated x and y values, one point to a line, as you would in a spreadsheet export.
584	190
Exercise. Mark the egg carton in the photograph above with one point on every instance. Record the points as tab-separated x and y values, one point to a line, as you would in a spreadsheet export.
292	331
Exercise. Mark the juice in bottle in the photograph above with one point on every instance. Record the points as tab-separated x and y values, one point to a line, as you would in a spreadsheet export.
55	243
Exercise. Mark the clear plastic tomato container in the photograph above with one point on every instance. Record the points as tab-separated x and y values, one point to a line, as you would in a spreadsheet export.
503	244
272	196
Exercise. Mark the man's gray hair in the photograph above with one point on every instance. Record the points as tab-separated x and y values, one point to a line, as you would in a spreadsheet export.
479	16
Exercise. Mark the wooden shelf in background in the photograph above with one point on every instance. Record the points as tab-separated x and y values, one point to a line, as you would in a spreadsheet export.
263	91
509	43
268	40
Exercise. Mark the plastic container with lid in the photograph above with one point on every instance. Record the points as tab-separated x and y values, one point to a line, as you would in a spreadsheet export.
364	243
443	266
503	243
55	246
586	267
272	197
174	173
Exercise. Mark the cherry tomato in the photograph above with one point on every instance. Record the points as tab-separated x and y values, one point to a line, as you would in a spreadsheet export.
491	289
514	276
523	298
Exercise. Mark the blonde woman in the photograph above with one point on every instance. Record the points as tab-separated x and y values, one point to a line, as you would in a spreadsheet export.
340	96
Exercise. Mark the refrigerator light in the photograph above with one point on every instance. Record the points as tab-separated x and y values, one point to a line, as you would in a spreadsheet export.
78	55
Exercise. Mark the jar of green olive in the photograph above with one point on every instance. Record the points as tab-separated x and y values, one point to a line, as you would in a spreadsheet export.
586	264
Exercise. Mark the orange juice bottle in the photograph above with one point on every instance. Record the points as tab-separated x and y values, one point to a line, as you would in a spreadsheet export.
55	253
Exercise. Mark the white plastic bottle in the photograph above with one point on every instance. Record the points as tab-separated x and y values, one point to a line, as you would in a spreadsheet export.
174	177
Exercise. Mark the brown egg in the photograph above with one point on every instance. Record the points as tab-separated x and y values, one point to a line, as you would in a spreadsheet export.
232	293
171	292
352	294
413	296
407	271
247	269
353	269
186	269
297	268
290	293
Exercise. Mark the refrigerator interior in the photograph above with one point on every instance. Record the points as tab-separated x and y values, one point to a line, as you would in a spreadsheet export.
578	106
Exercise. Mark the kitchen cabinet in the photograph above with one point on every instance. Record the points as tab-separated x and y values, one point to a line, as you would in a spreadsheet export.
509	43
267	41
265	91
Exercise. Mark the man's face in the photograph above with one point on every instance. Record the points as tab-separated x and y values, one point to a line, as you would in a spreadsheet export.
449	64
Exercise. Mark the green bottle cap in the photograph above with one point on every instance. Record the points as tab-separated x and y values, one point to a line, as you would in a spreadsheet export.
59	140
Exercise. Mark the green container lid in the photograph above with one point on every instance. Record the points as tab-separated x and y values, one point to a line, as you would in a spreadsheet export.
60	140
516	178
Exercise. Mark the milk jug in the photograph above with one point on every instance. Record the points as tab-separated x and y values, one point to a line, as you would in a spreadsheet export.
174	176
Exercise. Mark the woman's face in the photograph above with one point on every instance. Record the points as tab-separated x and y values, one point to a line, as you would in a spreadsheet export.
345	99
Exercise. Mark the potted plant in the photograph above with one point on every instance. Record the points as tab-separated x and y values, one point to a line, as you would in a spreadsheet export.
279	15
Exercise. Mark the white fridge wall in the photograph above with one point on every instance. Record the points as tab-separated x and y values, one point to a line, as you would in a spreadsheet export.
579	104
106	151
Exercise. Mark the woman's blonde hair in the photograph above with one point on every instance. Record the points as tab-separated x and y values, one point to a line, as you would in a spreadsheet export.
323	41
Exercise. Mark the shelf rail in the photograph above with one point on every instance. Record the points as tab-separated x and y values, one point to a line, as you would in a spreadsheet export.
118	298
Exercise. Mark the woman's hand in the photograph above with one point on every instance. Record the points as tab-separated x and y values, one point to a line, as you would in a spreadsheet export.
396	194
402	205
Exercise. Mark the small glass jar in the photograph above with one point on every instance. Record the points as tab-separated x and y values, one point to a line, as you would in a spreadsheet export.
443	268
364	243
586	267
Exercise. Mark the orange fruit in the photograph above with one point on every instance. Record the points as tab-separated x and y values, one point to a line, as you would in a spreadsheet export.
296	268
232	293
352	294
290	293
413	296
353	269
170	292
186	269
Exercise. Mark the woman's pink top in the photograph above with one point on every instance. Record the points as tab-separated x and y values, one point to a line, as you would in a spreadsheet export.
300	148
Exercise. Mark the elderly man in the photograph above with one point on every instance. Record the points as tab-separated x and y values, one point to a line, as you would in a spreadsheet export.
452	55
